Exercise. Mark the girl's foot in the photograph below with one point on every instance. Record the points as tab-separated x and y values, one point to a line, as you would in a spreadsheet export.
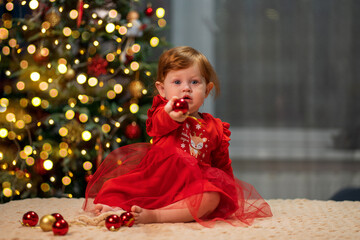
142	215
101	208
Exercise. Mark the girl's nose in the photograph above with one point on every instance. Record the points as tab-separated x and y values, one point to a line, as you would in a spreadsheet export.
187	87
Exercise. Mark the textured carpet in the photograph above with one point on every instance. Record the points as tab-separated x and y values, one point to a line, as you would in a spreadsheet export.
293	219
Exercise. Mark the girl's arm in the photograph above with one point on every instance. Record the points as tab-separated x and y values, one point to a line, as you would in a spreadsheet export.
220	157
163	120
161	123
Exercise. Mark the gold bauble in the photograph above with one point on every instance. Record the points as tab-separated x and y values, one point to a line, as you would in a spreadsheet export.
75	130
135	88
53	18
46	222
70	74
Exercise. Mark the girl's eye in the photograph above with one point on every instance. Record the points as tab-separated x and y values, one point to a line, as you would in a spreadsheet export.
194	81
177	82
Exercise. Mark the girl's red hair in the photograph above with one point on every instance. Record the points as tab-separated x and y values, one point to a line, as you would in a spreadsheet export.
183	57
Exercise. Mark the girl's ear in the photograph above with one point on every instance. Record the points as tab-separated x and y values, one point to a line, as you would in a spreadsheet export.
209	87
160	87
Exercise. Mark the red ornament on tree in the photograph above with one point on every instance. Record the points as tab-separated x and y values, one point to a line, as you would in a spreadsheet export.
181	105
39	58
127	219
57	216
88	177
113	222
133	131
149	11
97	66
60	227
30	219
39	166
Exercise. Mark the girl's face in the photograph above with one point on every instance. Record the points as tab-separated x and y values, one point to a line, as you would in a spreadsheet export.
186	83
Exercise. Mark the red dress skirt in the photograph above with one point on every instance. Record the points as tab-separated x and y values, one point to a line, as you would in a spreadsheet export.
153	177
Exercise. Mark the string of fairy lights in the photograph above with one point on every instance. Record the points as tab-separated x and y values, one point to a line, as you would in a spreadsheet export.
41	80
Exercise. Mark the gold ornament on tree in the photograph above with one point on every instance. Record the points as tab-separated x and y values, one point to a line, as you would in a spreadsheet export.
70	74
53	18
136	87
75	130
46	222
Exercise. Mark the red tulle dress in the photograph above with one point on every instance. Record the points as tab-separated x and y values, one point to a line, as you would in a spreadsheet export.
185	160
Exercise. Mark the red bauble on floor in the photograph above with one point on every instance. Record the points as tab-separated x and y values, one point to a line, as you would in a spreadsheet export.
30	219
60	227
127	219
113	222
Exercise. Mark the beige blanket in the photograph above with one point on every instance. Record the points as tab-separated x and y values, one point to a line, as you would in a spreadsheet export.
293	219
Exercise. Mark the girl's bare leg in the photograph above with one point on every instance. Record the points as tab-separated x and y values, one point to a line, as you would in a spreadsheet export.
177	212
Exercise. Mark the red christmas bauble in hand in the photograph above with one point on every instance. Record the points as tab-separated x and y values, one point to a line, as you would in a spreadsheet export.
57	216
30	219
113	222
133	131
181	105
60	227
127	219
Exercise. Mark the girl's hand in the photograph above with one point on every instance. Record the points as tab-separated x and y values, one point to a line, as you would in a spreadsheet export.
176	116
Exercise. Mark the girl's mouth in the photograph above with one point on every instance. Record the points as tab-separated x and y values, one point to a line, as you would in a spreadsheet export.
186	98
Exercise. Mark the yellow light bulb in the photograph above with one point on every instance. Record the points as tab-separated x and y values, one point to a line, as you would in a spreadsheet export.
154	41
48	165
36	101
110	27
35	76
3	132
86	136
63	131
81	78
62	68
70	114
33	4
160	12
87	166
134	108
66	180
118	88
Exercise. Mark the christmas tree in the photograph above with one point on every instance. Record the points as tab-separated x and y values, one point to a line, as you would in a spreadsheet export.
75	84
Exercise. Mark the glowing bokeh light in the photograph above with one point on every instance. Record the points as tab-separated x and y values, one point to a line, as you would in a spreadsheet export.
48	164
73	14
66	180
134	108
160	12
154	41
35	76
81	78
134	66
110	27
63	131
86	136
69	114
3	132
33	4
87	166
36	101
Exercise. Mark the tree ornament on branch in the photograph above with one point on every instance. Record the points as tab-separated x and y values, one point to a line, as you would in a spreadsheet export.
97	66
53	17
149	11
133	131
